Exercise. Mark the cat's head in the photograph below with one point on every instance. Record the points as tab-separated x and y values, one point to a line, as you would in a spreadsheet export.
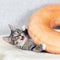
16	37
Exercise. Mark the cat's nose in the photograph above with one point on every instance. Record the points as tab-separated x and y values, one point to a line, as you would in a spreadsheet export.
22	37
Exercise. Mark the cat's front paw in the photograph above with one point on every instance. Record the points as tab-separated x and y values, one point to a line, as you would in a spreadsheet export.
39	48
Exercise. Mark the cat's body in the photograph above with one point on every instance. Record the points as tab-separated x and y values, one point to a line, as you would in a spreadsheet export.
22	40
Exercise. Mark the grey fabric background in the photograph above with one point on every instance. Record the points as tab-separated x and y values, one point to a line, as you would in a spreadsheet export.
17	12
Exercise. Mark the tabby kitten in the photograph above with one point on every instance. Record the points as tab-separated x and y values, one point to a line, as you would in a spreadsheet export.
22	40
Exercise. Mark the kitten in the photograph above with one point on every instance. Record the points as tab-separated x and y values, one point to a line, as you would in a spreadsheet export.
22	40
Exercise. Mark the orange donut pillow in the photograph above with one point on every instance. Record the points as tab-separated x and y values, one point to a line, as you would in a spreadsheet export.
41	26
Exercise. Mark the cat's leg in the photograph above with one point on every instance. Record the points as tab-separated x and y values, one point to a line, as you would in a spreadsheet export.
39	48
28	45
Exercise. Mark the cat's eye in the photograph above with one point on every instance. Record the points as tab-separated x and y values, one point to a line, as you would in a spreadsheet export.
16	42
15	34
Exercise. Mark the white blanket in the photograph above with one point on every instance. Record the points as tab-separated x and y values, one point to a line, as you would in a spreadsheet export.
9	52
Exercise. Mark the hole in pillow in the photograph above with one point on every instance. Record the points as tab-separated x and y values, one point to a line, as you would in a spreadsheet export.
57	28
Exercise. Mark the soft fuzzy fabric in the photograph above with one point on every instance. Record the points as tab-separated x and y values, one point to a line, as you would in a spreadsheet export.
9	52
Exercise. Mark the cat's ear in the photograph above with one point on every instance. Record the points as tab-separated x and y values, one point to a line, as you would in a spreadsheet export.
13	28
7	38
